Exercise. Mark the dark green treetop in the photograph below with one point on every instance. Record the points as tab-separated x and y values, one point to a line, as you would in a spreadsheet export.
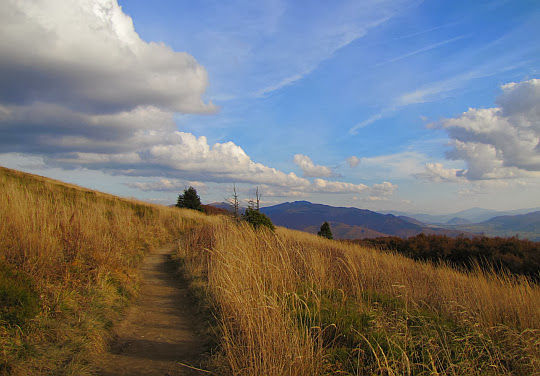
189	199
325	231
257	219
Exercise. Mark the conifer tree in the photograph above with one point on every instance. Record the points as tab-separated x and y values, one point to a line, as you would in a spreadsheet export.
257	219
189	199
325	231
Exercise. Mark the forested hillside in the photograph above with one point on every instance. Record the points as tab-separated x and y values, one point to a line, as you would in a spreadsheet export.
501	254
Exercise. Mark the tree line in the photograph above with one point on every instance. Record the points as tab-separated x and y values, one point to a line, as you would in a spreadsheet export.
511	254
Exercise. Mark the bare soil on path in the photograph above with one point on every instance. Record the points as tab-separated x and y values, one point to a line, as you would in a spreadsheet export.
158	335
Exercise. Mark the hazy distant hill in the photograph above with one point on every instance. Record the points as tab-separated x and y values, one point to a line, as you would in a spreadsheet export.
473	215
228	206
458	221
412	220
524	225
348	223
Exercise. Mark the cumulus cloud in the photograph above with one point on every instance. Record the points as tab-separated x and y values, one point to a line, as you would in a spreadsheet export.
496	143
384	189
167	185
353	161
437	173
309	169
80	88
86	55
325	186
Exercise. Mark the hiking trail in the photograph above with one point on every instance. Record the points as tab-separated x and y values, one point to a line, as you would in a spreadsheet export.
157	335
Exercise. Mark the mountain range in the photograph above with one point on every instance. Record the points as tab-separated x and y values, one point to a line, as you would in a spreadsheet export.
347	223
522	225
354	223
473	215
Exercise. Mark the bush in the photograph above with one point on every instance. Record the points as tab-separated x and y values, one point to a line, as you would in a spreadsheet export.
257	219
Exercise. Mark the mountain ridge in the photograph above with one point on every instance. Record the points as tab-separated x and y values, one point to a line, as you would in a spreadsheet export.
305	216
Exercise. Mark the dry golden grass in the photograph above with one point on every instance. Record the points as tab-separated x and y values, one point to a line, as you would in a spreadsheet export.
286	303
292	303
76	251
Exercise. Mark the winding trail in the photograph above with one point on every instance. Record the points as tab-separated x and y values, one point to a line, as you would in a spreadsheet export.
157	336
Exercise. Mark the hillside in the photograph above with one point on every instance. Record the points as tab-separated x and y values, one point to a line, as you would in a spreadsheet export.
69	261
305	216
524	226
473	215
343	231
280	303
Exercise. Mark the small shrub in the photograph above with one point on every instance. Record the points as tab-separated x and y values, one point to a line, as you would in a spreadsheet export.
258	219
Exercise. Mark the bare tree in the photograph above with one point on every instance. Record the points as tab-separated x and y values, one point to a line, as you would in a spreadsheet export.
234	202
255	204
258	199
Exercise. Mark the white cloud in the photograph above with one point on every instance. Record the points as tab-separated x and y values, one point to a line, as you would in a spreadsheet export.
324	186
434	91
167	185
502	142
86	56
321	185
92	94
437	173
309	169
353	161
399	165
368	121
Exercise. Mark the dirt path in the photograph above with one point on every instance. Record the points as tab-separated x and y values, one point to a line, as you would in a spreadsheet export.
157	332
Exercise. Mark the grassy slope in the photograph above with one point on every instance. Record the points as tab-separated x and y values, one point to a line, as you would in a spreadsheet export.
292	303
287	303
68	265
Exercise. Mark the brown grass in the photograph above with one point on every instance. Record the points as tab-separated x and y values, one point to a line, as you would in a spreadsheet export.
292	303
79	249
286	303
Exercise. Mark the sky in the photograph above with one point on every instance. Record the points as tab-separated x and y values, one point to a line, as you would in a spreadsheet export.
409	105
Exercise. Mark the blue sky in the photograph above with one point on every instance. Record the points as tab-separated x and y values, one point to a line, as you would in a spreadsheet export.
420	106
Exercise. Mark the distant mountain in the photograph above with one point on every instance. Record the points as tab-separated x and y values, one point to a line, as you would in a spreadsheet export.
524	225
228	206
473	215
412	220
458	221
348	222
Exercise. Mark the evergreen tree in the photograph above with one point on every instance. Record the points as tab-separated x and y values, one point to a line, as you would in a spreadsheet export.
325	231
189	199
257	219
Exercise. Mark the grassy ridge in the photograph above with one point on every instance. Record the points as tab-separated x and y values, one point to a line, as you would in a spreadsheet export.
295	304
286	303
68	265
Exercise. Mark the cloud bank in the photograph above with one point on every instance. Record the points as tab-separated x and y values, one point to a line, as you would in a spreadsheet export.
82	89
87	56
495	143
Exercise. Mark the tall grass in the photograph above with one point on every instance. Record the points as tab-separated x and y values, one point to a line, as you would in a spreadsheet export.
291	303
68	265
286	303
